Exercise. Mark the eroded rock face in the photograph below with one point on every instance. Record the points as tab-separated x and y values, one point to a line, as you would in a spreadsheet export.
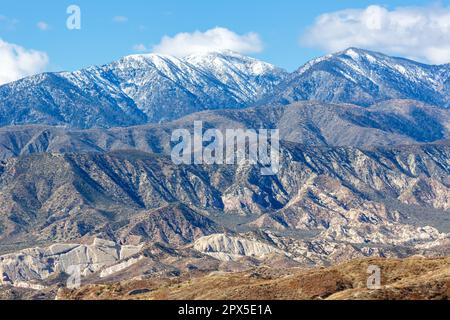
228	248
37	264
174	225
325	205
354	181
380	196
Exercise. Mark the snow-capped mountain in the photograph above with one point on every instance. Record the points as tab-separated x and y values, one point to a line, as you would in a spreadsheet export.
364	77
80	99
138	89
151	88
167	88
355	181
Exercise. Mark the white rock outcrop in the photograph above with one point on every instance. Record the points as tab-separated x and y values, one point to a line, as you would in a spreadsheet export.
227	248
38	264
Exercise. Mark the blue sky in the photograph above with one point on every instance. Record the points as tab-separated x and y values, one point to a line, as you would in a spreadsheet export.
278	24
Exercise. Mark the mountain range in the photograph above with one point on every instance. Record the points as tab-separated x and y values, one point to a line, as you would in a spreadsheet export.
138	89
393	122
156	88
364	78
86	176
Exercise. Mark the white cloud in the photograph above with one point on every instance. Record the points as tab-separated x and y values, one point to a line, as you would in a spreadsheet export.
215	39
17	62
421	33
120	19
42	25
140	47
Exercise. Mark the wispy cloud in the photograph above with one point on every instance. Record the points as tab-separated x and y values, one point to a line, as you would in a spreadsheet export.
421	33
7	23
215	39
17	62
43	26
140	47
120	19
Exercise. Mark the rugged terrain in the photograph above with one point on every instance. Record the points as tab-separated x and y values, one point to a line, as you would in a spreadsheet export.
155	88
393	122
326	205
87	182
410	279
138	89
365	78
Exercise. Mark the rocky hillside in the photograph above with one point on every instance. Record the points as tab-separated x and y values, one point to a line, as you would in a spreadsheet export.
326	204
411	279
392	122
364	174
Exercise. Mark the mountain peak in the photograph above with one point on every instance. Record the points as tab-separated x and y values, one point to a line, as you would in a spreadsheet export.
158	87
365	77
214	60
165	87
226	61
149	57
355	53
358	51
205	54
222	52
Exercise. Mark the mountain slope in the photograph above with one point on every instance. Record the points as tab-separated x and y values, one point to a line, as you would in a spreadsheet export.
326	205
152	88
363	77
81	99
167	88
138	89
349	195
410	279
391	122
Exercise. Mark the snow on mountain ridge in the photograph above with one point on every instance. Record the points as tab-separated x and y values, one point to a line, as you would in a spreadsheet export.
365	77
413	70
152	88
212	80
